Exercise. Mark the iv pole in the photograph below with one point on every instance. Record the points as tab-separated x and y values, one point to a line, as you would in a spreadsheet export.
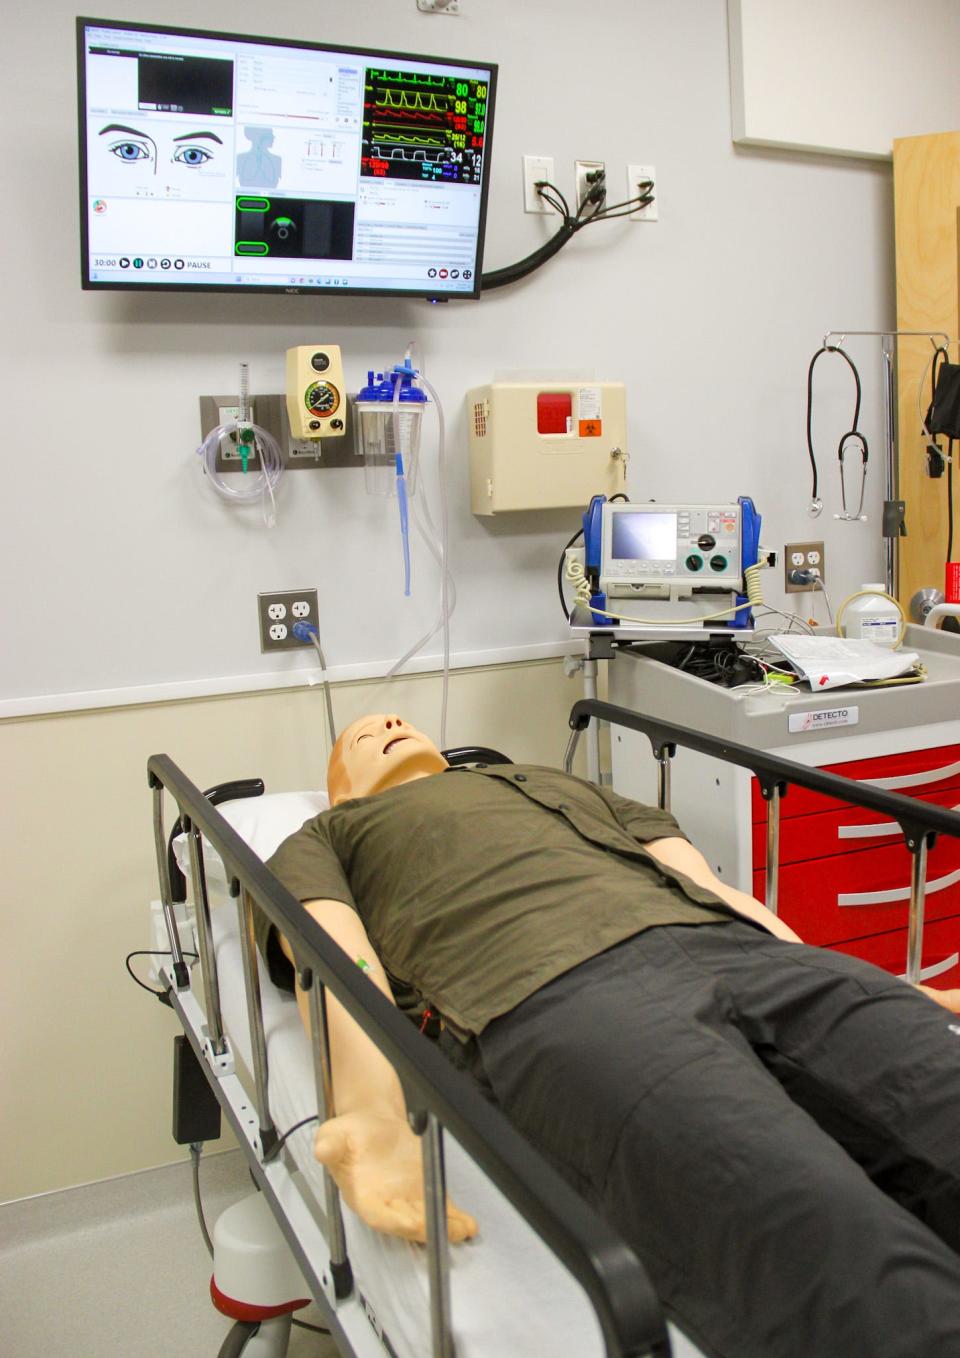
894	509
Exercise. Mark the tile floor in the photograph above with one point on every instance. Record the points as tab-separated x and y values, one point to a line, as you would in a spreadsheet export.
120	1268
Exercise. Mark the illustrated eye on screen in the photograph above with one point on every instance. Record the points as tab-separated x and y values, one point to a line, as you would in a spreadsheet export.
133	148
187	152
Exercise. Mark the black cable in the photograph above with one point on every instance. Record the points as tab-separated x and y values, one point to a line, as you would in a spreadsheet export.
272	1155
514	272
150	952
567	612
571	224
950	499
196	1150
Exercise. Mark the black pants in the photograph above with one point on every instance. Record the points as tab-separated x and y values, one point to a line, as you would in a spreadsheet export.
774	1128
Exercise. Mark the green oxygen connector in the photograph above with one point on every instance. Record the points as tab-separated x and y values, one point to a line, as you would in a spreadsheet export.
245	444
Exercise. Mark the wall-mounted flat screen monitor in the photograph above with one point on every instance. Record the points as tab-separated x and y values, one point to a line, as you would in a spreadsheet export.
211	161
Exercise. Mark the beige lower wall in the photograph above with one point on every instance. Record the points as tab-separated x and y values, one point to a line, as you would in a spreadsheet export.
86	1058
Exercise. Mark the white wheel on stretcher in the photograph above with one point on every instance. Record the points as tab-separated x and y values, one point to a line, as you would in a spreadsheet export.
256	1281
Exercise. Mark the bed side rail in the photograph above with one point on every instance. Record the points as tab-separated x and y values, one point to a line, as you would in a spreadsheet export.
919	821
437	1095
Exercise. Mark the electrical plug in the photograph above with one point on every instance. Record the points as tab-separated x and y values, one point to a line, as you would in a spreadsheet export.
597	179
304	631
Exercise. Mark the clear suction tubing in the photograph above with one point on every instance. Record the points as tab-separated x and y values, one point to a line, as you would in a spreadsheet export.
389	413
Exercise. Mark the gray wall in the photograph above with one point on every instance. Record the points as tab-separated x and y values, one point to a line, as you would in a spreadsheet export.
125	574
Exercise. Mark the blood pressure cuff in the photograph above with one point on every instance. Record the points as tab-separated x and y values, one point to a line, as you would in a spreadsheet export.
943	417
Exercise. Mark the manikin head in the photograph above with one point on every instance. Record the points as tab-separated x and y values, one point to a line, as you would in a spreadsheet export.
379	752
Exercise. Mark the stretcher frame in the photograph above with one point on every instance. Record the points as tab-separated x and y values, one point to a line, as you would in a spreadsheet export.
919	821
437	1096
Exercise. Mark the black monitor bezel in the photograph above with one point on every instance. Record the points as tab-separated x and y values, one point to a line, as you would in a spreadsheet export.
432	294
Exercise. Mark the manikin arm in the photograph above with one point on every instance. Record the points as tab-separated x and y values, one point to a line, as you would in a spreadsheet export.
368	1146
678	853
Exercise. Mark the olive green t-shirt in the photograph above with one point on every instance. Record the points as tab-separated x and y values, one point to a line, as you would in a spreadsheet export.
478	886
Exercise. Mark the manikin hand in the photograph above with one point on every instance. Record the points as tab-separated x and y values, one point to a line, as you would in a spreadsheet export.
375	1160
950	999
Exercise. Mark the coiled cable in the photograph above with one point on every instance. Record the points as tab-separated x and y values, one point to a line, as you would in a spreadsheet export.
581	588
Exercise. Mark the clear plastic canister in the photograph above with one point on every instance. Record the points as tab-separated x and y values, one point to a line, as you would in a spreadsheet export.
387	427
384	432
871	615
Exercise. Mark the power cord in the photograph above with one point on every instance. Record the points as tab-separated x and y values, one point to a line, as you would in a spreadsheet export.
591	210
161	995
306	631
808	578
304	1122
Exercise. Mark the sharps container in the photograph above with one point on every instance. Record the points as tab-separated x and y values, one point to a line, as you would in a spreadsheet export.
390	425
871	615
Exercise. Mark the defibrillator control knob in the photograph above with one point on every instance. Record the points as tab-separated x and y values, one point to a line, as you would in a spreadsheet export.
694	562
718	563
706	541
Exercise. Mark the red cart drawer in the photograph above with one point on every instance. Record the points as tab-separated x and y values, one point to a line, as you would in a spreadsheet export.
844	830
913	772
940	962
851	895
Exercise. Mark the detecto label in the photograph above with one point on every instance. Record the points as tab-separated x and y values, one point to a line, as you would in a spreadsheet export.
819	721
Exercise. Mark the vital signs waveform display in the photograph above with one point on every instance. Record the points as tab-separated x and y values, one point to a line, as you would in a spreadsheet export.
423	127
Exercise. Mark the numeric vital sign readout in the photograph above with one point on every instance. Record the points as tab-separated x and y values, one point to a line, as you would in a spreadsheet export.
424	127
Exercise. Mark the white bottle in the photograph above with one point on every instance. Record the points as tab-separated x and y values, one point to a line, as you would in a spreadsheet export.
873	616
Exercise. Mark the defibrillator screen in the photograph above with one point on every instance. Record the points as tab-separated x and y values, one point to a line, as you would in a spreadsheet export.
644	536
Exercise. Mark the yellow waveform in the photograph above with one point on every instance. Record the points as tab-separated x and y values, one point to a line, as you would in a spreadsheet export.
429	103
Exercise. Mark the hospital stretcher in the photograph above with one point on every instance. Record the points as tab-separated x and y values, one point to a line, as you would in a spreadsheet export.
545	1275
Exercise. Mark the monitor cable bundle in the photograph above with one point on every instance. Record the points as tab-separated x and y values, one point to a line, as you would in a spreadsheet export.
591	210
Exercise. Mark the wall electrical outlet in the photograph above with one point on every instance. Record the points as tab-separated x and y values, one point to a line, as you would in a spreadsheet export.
586	173
536	168
803	556
279	611
637	175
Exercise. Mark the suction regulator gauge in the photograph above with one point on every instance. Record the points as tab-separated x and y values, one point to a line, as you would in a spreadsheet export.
322	399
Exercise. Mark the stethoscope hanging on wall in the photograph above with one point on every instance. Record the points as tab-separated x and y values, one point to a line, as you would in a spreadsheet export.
853	441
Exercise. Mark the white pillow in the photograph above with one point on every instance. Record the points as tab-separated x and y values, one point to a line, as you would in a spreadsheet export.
264	822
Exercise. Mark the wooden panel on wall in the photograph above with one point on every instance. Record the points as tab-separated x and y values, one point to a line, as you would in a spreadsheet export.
926	180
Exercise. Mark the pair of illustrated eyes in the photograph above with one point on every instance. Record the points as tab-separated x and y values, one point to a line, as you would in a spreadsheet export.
133	151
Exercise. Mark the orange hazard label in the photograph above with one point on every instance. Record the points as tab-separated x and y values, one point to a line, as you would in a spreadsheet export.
590	429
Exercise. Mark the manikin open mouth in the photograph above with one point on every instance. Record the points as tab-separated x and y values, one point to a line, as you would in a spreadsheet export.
396	741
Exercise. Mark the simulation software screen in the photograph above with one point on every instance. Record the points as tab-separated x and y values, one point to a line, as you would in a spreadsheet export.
221	161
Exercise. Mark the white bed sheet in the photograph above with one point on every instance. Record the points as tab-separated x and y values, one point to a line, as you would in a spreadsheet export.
510	1296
